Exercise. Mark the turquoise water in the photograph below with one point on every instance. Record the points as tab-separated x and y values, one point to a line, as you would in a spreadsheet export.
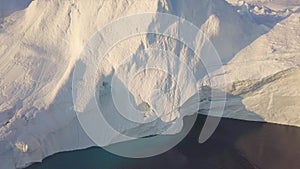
235	145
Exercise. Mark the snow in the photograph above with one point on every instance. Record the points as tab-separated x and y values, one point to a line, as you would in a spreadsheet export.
42	41
275	94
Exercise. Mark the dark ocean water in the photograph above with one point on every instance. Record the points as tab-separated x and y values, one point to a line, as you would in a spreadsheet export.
234	145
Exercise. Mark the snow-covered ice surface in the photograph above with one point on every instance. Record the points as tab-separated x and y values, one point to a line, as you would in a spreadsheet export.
41	42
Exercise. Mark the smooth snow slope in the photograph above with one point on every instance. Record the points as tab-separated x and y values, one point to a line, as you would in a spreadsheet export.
41	44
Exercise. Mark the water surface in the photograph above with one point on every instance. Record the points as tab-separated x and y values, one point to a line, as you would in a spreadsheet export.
235	145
